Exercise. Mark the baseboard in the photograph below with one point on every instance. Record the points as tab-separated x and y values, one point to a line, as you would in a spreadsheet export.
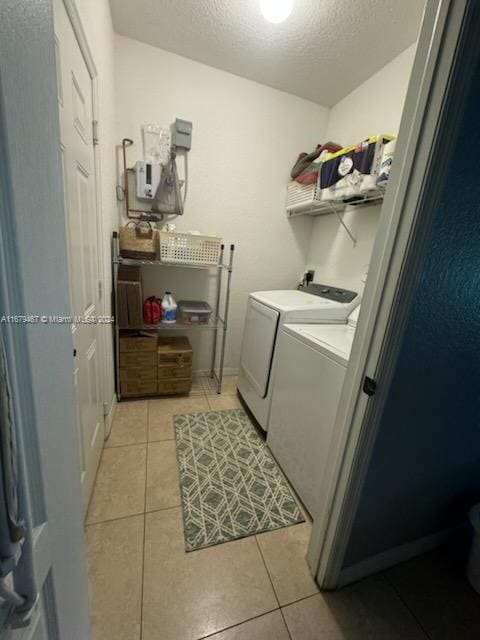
110	416
396	555
227	371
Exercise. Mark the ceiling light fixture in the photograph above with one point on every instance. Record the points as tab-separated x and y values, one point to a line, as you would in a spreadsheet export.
276	11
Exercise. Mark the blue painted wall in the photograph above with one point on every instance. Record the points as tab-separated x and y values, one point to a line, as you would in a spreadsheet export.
425	470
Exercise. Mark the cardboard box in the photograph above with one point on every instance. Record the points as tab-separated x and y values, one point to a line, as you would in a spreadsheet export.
130	297
122	306
135	304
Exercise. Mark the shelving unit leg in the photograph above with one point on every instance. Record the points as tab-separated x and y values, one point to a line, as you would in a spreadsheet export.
115	251
225	319
217	311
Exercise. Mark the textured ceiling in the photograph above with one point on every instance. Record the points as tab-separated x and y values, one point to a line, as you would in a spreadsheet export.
323	51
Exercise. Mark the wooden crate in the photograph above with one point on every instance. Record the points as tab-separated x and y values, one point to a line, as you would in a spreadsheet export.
174	362
143	374
138	365
151	366
137	388
175	351
137	359
167	387
167	372
142	342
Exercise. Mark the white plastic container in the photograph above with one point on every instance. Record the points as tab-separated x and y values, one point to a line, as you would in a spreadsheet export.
169	309
386	164
194	312
473	567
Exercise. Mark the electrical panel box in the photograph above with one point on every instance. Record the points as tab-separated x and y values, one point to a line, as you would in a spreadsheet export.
182	134
148	178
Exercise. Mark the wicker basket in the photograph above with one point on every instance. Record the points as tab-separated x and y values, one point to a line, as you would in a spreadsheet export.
138	243
186	248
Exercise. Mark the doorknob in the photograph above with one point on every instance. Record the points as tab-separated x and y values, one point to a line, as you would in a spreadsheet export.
74	353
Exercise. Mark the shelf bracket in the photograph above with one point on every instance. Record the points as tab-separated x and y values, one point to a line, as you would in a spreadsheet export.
340	219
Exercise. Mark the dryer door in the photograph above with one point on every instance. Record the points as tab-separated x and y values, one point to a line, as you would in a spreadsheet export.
259	336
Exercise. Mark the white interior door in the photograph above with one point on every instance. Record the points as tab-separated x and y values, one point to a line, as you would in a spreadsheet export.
258	343
76	117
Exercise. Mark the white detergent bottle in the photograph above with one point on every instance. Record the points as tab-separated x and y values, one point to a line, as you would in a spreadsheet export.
169	309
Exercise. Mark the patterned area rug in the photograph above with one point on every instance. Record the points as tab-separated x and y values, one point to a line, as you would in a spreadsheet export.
231	486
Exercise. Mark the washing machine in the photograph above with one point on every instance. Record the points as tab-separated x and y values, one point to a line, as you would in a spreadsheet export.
267	313
310	371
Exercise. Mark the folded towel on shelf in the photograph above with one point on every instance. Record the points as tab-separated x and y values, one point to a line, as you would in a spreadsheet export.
305	169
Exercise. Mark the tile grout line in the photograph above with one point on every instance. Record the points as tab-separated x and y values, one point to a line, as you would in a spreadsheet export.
131	444
144	526
273	588
130	515
207	401
288	604
238	624
202	396
399	596
127	444
122	446
159	510
85	519
285	623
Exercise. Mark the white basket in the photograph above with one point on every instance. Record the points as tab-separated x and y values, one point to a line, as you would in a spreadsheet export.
186	248
301	196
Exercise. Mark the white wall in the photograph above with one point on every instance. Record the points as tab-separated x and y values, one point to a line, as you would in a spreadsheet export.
374	107
97	23
245	138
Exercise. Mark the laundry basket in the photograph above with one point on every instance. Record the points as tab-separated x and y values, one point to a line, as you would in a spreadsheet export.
189	248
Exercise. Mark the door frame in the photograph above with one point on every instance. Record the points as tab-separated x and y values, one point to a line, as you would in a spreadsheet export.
101	288
399	247
33	566
32	251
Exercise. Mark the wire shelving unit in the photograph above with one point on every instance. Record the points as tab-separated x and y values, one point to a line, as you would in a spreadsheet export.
218	322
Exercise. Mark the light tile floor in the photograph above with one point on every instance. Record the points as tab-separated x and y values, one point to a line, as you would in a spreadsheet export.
144	586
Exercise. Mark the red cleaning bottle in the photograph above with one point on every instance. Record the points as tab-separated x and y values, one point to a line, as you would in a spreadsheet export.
152	311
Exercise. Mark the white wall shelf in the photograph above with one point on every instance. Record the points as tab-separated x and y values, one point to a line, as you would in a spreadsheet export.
315	207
